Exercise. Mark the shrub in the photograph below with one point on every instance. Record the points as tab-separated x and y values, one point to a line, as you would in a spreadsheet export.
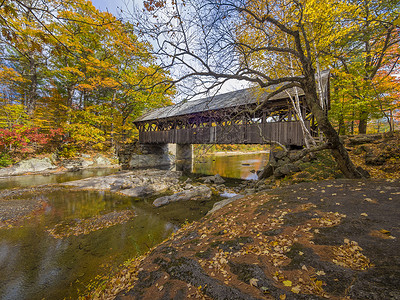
5	160
22	139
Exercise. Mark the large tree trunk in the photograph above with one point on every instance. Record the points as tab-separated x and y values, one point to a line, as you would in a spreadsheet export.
338	150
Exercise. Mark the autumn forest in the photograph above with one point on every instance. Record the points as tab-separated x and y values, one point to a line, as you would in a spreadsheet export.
73	78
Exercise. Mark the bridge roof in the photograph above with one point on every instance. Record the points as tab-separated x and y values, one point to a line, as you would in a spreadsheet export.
233	99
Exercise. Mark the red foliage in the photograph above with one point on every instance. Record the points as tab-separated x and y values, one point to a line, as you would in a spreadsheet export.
21	138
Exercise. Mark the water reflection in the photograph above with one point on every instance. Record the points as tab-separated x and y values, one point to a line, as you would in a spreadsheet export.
243	166
34	265
33	180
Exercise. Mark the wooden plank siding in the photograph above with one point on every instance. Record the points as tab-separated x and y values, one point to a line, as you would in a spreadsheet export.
286	133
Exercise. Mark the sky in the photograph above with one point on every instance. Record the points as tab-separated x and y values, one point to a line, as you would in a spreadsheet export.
115	6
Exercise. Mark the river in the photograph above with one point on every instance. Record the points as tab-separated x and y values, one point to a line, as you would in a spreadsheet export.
35	265
231	165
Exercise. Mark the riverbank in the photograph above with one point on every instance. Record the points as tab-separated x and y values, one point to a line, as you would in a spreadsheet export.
53	165
336	239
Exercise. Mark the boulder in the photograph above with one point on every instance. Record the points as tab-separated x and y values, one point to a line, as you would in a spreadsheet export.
364	139
72	164
214	179
145	190
282	171
201	192
134	184
121	184
371	159
280	154
362	148
266	172
286	169
86	163
102	161
28	166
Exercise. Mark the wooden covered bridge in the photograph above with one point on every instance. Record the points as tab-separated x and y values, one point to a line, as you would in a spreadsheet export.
229	119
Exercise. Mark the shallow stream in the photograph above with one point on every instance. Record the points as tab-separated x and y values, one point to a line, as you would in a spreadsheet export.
35	265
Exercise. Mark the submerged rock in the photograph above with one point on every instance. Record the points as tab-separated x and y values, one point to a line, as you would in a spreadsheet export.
201	192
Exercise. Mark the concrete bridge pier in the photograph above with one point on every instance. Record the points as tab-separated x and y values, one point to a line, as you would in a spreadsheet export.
184	158
151	156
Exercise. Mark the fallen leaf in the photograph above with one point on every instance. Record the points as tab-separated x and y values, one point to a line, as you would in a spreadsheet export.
296	289
287	283
282	297
384	231
364	214
253	281
320	273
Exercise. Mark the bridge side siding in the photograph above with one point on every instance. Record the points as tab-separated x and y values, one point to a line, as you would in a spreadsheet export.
286	133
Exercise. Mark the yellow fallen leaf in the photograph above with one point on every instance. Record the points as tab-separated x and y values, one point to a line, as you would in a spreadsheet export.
253	281
364	214
296	289
320	273
282	297
287	283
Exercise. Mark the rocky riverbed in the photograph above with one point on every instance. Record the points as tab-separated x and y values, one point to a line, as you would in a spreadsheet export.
151	182
17	205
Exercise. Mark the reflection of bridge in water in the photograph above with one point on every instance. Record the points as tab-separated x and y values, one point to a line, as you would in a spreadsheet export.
229	118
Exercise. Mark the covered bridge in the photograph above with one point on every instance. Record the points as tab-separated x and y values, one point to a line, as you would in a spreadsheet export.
231	118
